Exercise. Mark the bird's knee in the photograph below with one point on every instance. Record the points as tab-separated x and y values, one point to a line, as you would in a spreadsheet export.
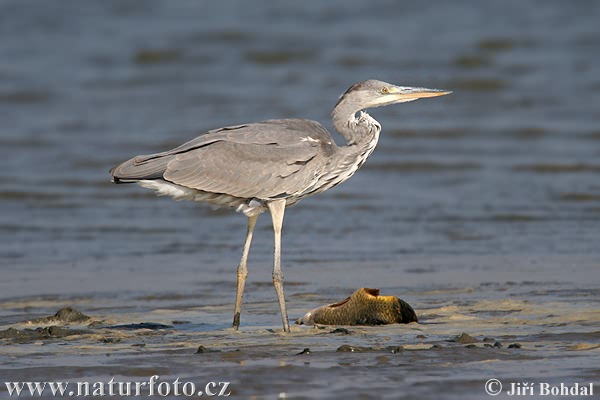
277	277
242	271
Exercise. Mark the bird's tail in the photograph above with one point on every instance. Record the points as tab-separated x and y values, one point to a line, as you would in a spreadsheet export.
140	168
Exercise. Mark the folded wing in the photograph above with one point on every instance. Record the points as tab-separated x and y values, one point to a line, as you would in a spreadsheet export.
265	160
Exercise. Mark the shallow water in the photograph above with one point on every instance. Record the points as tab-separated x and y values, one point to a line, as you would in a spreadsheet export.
481	209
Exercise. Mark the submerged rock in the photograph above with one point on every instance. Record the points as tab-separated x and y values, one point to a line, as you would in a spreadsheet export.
363	307
65	315
394	349
342	330
29	335
203	349
464	338
353	349
143	325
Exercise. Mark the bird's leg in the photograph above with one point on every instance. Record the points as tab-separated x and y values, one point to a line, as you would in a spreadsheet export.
242	272
277	208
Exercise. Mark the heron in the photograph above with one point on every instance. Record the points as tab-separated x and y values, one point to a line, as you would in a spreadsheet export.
270	165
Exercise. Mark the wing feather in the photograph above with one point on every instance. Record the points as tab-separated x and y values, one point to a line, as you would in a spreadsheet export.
264	160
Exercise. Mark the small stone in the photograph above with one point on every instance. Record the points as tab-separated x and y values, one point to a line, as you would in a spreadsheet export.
58	331
465	338
498	345
9	333
342	330
69	314
353	349
202	349
305	351
421	337
471	346
394	349
514	346
489	339
143	325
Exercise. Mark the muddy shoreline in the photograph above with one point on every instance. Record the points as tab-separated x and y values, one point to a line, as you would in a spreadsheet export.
466	335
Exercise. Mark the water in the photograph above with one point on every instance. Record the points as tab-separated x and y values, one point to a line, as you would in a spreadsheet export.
486	196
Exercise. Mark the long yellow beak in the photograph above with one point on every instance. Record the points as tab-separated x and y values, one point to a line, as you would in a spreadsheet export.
413	93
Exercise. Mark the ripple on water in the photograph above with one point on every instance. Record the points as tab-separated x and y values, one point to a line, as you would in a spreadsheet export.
555	168
477	84
273	57
157	56
422	166
472	61
578	197
25	97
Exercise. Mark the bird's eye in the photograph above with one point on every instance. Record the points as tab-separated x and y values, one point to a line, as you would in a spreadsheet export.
385	90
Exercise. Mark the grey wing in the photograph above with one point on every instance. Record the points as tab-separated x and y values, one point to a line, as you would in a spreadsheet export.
153	166
264	160
271	159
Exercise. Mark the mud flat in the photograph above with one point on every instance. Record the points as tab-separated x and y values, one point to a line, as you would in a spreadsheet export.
543	331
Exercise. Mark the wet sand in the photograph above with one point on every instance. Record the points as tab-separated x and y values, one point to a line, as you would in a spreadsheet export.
543	329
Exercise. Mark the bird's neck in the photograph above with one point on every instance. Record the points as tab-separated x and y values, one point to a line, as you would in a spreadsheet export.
361	133
358	130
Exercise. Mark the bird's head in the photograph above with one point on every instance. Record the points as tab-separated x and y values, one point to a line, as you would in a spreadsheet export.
374	93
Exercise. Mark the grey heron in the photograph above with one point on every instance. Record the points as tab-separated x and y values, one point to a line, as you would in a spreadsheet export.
270	165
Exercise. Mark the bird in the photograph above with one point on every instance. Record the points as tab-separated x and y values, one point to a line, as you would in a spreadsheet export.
270	165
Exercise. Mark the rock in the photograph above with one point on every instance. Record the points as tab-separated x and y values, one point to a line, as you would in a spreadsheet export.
363	307
9	333
203	349
305	351
514	346
419	346
64	315
143	325
69	314
342	330
353	349
394	349
32	335
464	338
